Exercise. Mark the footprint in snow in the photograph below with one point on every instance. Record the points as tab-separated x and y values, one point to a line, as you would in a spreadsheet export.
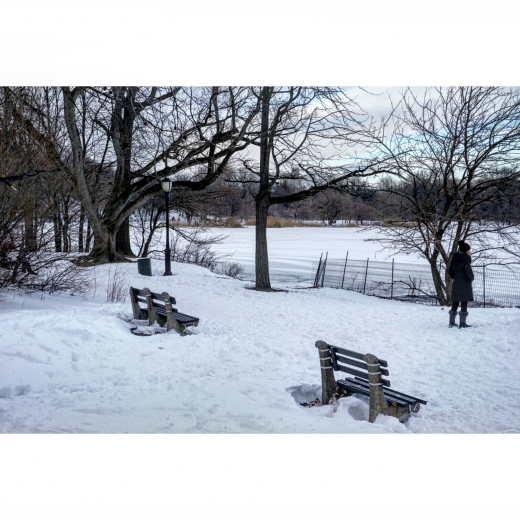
18	391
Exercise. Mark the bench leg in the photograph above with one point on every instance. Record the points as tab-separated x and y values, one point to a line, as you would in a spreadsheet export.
378	403
152	315
171	322
328	382
135	305
377	397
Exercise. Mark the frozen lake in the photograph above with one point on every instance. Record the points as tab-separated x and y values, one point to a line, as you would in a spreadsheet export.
292	251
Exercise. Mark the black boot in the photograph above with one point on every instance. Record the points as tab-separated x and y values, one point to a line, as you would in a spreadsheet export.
453	315
462	320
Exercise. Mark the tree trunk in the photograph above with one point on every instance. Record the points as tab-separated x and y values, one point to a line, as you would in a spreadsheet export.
101	247
123	243
123	118
31	239
65	229
262	200
104	238
442	297
89	237
263	281
66	242
81	226
56	219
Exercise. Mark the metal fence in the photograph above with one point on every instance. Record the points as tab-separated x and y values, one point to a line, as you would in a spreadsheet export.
492	287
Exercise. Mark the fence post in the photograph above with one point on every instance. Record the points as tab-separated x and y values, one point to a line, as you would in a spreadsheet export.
344	271
484	283
366	272
324	267
392	286
317	273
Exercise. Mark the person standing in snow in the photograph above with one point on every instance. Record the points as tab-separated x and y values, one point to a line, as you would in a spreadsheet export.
461	291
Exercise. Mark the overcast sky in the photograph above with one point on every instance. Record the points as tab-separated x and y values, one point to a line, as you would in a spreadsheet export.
298	42
376	100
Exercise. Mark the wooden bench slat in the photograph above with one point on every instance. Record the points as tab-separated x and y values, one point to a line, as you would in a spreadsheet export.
355	355
353	388
357	387
159	297
389	394
184	318
416	399
349	353
358	364
159	305
156	296
155	304
362	375
392	393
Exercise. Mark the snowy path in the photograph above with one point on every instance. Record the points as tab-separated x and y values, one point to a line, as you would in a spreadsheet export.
68	365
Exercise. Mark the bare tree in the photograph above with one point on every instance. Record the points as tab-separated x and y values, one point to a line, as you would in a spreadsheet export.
451	155
331	206
170	131
301	134
27	258
141	134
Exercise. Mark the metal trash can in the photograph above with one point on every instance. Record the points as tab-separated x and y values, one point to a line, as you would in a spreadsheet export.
144	266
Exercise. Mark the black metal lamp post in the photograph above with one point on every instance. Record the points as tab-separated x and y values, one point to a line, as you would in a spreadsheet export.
166	185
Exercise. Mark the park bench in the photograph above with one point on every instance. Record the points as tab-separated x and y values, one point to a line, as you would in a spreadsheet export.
159	308
367	370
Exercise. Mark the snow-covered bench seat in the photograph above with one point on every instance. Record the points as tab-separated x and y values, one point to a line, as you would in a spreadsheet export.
159	308
367	381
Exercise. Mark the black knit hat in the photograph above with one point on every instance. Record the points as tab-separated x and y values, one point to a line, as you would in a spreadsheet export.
463	247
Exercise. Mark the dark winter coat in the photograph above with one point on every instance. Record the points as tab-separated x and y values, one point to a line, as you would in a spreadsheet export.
462	274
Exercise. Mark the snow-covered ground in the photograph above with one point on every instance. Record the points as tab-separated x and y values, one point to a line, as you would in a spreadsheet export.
71	364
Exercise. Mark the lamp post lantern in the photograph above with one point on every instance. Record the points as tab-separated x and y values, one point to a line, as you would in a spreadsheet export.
166	185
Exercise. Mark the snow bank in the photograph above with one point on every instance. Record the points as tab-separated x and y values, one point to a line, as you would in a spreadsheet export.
71	364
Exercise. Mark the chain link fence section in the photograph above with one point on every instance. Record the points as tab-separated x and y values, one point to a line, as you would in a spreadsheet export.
492	287
495	287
